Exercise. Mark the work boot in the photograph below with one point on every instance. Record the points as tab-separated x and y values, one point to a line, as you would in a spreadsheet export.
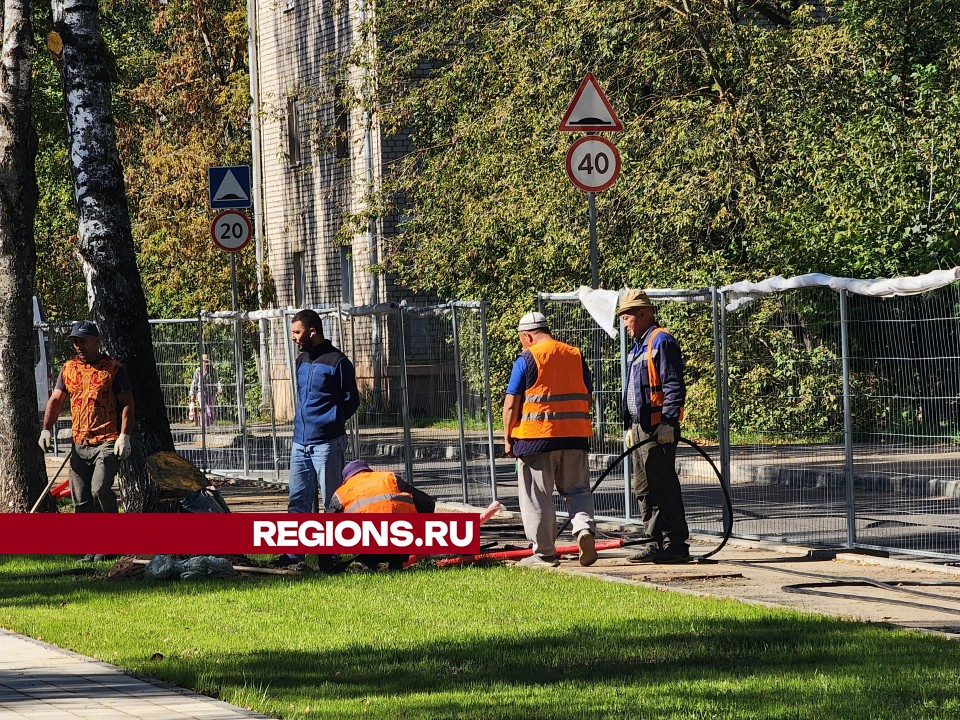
645	555
88	558
588	551
673	555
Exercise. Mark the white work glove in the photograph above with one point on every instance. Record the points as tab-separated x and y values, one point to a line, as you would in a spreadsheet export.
665	434
46	440
122	447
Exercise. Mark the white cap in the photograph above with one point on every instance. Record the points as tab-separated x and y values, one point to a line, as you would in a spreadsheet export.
532	321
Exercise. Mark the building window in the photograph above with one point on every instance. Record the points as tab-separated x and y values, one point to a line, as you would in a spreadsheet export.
288	5
340	118
346	274
299	280
294	151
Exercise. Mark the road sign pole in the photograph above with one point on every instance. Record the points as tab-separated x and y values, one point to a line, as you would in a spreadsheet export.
238	364
233	282
594	253
595	272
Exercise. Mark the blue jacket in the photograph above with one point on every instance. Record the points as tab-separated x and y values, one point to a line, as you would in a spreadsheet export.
326	393
666	355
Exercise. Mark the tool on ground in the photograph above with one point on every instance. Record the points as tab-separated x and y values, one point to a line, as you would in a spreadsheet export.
46	490
490	511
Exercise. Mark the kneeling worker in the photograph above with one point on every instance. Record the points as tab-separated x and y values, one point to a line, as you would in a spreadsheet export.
378	491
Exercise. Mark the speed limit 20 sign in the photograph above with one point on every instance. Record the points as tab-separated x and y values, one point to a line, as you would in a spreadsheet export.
593	163
231	230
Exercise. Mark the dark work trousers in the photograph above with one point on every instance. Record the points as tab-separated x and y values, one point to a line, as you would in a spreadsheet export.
657	488
92	470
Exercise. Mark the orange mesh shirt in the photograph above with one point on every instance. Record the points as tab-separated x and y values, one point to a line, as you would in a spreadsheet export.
94	407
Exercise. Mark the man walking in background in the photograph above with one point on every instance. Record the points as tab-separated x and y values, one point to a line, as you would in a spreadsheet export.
326	398
546	426
653	408
102	417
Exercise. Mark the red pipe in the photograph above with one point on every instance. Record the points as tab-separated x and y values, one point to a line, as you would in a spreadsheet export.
61	489
491	510
518	554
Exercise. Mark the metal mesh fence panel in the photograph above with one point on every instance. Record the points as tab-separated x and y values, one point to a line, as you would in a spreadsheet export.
448	407
376	349
905	411
572	324
785	398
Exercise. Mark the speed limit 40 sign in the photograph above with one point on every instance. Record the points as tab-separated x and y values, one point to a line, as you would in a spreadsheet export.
231	230
593	163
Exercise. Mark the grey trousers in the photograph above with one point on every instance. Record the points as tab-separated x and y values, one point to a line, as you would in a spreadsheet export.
92	470
538	475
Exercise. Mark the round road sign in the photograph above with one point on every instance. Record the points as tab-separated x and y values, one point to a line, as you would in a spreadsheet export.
231	230
593	163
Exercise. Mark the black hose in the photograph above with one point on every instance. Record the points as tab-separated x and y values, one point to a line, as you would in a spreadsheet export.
839	581
727	516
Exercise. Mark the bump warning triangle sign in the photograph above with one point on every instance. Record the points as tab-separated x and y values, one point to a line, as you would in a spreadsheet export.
590	111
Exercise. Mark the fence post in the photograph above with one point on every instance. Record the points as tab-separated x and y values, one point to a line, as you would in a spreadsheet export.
266	347
356	416
291	370
847	420
628	460
723	430
407	443
241	391
724	400
458	375
203	416
486	389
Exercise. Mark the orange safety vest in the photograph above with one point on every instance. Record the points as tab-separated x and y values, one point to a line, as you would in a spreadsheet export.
656	389
93	403
558	403
374	492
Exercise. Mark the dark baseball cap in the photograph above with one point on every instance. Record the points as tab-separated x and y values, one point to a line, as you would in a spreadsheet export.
354	467
84	328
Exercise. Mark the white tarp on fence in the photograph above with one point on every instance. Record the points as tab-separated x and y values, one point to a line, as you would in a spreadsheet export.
741	293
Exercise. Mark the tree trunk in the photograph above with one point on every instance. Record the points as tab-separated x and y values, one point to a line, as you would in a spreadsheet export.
105	247
22	475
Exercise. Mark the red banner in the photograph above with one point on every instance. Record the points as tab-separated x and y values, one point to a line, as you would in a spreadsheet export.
238	533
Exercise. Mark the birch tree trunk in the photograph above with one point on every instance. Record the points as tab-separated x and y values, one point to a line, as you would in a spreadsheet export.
105	246
22	476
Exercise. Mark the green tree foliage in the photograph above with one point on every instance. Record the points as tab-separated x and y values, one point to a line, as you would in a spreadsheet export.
759	139
827	142
181	103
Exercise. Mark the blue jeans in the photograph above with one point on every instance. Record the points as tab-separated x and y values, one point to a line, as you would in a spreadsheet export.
312	468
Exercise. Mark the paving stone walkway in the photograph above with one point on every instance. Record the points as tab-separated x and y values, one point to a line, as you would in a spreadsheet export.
42	682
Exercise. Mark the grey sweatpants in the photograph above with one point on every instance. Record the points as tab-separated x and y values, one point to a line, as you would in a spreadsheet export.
538	475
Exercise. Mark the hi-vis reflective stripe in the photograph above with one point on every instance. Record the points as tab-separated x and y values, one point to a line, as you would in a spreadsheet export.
557	398
387	497
556	416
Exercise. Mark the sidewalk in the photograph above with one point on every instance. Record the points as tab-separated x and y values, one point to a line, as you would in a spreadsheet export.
40	681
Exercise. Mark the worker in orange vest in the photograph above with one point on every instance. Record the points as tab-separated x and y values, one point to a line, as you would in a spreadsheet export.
653	408
378	491
546	426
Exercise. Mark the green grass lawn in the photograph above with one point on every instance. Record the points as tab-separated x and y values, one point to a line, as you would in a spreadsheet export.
484	643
